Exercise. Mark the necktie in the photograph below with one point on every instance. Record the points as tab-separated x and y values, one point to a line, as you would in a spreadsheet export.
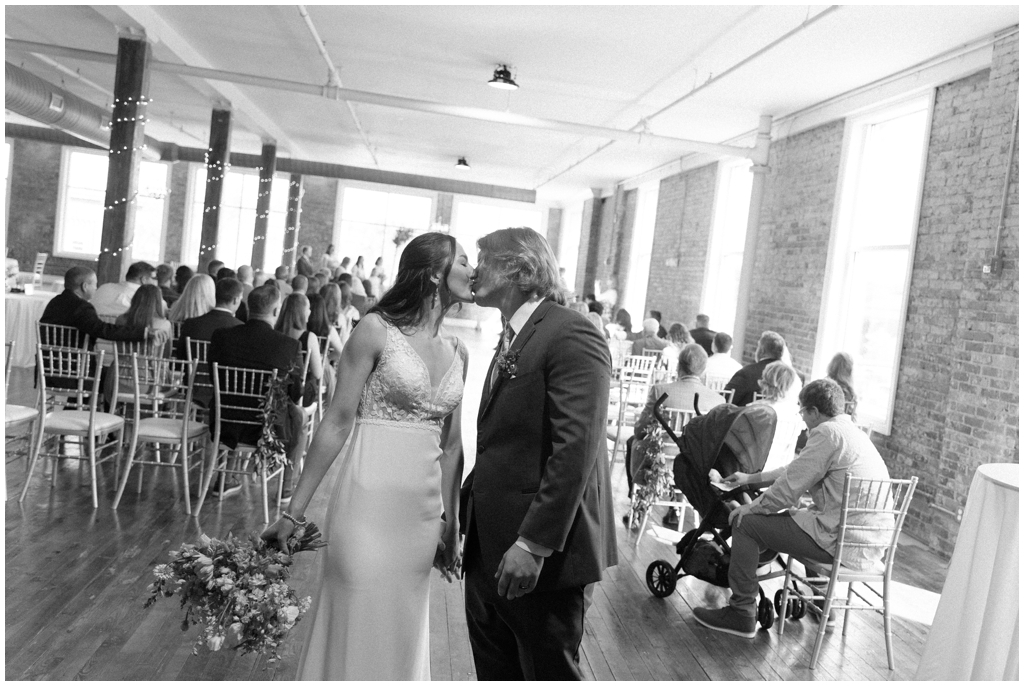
506	340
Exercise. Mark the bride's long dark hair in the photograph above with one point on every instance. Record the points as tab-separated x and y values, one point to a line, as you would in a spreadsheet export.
425	256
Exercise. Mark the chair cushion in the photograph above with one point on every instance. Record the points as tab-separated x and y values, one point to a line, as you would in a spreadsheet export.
19	413
164	429
77	421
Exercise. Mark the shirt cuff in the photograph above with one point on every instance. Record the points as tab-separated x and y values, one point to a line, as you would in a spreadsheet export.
533	548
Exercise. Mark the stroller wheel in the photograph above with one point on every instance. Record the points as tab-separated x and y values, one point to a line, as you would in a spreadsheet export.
765	614
798	608
661	579
778	605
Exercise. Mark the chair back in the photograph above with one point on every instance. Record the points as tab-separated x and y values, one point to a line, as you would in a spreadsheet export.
68	376
60	336
873	510
198	351
237	394
163	385
122	367
676	419
635	378
758	396
8	351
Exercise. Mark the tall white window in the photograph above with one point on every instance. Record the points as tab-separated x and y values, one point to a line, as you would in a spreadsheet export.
370	220
237	227
725	254
7	181
80	215
871	252
635	297
474	219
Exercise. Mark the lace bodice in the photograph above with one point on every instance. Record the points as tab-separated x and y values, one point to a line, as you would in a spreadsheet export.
399	389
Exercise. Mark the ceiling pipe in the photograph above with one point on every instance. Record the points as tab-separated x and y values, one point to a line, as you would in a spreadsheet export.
30	96
335	78
338	93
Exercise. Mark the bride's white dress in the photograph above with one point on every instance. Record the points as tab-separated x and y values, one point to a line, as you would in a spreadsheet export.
370	614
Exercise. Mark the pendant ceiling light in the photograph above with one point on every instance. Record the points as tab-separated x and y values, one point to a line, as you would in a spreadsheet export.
503	78
462	164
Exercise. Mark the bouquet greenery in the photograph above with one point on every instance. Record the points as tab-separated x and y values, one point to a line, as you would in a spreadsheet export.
653	479
236	590
270	451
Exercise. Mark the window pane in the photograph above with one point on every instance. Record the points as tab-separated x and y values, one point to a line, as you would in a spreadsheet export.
872	326
279	194
361	205
86	170
83	222
408	211
888	180
226	247
149	219
231	190
275	240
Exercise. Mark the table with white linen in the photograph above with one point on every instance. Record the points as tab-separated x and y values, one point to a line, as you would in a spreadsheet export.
22	312
975	632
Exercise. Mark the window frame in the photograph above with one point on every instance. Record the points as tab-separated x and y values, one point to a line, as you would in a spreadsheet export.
62	197
841	252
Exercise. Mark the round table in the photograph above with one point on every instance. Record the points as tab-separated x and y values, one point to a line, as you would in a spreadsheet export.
975	632
22	312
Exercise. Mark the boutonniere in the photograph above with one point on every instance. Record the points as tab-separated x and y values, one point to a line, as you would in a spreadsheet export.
508	363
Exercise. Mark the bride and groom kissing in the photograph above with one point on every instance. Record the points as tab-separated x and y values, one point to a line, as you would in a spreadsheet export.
535	512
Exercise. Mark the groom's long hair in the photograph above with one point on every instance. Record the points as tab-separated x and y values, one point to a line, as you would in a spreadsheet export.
523	257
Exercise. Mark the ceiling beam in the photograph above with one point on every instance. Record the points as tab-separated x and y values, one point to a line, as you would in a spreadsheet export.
157	28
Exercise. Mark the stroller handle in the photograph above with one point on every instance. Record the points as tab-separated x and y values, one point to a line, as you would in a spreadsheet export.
661	420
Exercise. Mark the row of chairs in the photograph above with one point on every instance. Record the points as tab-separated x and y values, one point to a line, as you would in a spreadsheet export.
153	403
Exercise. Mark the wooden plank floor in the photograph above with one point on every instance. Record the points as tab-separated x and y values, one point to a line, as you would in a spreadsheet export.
75	583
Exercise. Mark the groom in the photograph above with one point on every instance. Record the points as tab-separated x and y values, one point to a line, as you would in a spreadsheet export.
538	515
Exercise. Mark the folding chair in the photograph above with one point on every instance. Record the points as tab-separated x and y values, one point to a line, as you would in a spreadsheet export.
718	386
163	387
59	336
16	416
70	378
237	394
198	352
635	381
677	419
876	506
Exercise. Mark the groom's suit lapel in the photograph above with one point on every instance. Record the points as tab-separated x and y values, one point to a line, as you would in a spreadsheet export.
522	338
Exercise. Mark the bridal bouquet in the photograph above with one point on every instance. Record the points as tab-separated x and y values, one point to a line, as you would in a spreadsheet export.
236	590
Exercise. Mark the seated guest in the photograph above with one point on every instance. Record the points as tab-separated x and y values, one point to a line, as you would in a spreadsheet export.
840	370
255	345
744	382
164	275
329	262
681	394
678	338
282	276
293	321
334	309
780	386
246	276
259	278
702	335
242	313
147	310
649	339
656	314
320	324
114	299
343	267
721	365
773	521
228	297
300	284
198	298
596	320
71	307
181	277
623	326
214	267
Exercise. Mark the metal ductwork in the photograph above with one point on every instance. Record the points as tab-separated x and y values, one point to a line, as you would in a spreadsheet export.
32	97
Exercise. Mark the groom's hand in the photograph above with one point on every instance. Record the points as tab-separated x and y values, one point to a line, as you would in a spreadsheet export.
518	572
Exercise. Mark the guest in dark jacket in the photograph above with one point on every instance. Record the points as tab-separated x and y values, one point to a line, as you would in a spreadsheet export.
702	335
744	382
72	308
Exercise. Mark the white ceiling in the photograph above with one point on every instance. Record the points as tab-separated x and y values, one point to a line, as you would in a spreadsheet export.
608	66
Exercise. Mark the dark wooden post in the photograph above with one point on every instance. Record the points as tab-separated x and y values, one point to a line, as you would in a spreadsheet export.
127	136
217	156
291	225
268	164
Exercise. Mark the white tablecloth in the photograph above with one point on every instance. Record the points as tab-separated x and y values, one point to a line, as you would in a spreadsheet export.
21	313
975	632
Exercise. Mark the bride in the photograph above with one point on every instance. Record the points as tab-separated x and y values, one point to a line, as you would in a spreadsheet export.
399	394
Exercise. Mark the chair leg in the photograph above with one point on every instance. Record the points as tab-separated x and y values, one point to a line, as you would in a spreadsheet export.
132	446
183	453
886	623
643	526
822	625
785	595
206	479
34	450
92	471
263	491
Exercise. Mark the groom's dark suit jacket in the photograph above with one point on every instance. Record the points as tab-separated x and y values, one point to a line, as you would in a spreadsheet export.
542	461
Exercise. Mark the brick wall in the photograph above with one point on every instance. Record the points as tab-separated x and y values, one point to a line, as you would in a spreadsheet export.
792	241
174	232
957	400
682	232
554	234
586	268
316	223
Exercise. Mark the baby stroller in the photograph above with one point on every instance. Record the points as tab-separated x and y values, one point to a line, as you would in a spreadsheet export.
728	439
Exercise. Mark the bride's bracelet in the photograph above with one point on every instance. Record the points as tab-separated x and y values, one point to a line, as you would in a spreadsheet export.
294	521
